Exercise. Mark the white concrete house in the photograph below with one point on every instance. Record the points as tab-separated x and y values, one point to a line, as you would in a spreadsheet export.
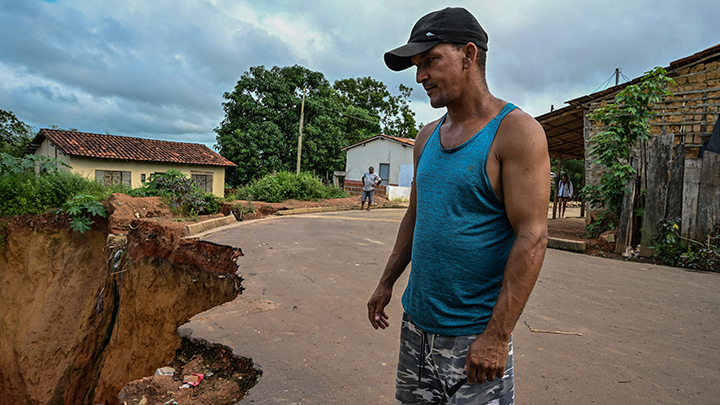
392	158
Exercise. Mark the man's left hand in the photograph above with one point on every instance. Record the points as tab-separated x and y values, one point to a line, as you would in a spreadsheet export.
486	358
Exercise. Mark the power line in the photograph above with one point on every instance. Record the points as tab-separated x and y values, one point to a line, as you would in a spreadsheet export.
344	114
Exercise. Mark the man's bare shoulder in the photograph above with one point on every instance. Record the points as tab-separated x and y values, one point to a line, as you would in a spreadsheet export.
520	128
424	134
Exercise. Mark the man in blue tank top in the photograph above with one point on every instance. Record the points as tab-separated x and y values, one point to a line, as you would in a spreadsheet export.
476	240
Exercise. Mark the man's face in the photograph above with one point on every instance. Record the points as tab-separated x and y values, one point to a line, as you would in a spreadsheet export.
371	170
439	70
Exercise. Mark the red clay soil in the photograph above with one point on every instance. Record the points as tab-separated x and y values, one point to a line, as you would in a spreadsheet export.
225	378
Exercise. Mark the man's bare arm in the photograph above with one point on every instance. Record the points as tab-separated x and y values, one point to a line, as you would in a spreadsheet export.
525	165
402	251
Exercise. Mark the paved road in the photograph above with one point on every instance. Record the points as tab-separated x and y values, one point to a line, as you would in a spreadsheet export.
650	334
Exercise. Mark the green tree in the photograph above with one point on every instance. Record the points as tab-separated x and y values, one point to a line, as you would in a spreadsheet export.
392	113
15	135
625	125
261	125
260	130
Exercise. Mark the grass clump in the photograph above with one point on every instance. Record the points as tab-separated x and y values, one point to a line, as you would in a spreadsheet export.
286	186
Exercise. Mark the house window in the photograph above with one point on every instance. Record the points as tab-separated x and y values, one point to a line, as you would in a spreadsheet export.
204	181
142	178
384	173
111	177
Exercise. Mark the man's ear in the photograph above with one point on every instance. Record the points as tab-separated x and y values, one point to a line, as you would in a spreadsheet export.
471	52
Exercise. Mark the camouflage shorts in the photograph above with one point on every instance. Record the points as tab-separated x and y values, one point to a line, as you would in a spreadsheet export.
430	368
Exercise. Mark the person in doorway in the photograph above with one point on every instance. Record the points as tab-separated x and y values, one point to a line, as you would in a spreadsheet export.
370	180
565	193
477	238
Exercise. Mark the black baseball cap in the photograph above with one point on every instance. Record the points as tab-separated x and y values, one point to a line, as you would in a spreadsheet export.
453	24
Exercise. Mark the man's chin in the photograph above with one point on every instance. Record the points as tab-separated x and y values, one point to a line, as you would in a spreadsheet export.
434	103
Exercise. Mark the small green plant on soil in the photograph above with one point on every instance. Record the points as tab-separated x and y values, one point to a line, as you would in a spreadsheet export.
241	208
180	193
286	186
81	209
625	124
676	250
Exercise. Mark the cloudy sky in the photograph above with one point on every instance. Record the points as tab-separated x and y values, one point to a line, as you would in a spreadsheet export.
158	69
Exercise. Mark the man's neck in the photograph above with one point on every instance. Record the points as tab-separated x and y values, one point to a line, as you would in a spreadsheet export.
475	103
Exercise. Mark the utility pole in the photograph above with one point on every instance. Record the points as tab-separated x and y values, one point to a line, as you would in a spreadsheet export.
617	76
302	116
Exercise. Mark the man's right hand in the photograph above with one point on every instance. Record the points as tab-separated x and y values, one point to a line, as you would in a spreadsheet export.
376	307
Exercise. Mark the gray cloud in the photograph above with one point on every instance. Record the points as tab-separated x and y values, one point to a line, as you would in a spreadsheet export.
159	69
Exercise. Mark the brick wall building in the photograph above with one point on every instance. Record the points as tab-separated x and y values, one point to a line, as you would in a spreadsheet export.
675	180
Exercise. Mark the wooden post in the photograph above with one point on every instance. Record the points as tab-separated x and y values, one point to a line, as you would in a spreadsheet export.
708	208
674	203
657	177
582	202
627	214
557	183
302	116
691	190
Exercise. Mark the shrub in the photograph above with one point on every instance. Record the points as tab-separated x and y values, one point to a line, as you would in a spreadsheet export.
673	249
23	191
179	192
285	186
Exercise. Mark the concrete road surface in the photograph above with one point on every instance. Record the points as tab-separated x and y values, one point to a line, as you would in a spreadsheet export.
650	334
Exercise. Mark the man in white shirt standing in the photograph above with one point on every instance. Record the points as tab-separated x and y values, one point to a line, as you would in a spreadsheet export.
370	180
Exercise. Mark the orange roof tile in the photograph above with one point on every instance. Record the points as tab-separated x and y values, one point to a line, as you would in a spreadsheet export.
406	141
126	148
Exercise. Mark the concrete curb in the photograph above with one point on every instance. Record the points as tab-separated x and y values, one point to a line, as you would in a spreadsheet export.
565	244
203	226
329	209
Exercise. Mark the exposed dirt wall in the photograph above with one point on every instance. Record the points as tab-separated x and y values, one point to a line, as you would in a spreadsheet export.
56	347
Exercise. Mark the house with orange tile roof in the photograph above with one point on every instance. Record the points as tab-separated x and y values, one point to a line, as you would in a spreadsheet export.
112	159
391	156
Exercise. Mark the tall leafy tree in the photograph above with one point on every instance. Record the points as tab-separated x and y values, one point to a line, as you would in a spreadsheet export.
261	125
393	113
15	135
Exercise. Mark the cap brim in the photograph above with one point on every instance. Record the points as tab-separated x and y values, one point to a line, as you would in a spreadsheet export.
399	58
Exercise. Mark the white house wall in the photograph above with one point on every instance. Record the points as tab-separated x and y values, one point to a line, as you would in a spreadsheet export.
379	151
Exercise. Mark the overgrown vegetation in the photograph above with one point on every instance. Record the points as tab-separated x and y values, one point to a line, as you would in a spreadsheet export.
180	193
675	250
25	191
626	124
285	186
35	184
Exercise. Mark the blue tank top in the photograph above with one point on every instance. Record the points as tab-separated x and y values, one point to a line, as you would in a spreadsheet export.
462	236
